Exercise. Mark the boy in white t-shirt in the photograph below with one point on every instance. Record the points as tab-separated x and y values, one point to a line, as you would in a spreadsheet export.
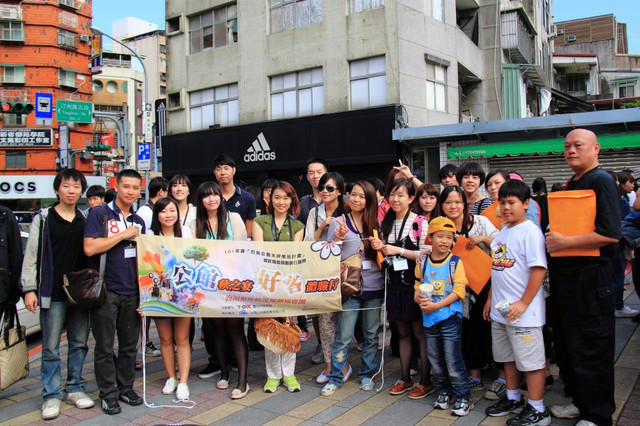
518	267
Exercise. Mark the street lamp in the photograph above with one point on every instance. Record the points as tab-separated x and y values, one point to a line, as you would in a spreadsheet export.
146	107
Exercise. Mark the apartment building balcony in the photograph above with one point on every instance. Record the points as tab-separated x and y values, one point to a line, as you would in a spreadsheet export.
517	36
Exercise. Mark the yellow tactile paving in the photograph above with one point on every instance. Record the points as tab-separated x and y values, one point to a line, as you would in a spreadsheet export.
312	408
435	421
357	415
284	421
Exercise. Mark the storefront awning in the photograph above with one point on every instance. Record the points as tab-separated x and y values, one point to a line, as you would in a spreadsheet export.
544	146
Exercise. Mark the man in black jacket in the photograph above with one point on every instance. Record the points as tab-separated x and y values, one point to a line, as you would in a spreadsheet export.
10	258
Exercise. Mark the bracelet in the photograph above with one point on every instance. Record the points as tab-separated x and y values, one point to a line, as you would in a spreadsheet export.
402	251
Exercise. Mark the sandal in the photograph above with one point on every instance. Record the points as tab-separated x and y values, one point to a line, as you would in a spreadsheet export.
329	389
238	394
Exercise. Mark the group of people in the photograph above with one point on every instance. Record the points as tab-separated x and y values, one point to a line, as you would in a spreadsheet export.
404	232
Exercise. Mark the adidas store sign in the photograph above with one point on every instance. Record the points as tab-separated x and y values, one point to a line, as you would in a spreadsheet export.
259	151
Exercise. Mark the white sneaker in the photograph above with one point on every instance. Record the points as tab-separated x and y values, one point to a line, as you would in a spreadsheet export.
170	386
50	409
626	312
585	423
182	394
80	400
568	411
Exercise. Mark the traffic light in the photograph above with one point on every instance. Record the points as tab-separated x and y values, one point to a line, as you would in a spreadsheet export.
98	148
16	107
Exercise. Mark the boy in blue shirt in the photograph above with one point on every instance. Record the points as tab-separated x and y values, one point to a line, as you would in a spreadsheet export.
518	267
439	290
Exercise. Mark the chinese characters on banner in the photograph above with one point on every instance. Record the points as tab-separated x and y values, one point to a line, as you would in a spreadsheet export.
210	278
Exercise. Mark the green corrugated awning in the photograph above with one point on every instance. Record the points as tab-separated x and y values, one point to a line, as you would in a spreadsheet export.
544	146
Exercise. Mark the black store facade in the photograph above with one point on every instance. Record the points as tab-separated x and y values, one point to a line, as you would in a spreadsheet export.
357	144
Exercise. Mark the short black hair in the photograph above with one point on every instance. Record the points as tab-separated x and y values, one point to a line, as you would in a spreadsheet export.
446	170
470	168
95	191
316	160
66	174
128	173
224	160
156	185
516	188
110	195
377	183
539	185
492	173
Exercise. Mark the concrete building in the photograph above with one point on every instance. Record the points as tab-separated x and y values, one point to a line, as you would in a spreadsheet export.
592	62
119	89
45	51
312	77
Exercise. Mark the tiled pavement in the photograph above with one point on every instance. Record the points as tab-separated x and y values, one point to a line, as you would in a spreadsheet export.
20	404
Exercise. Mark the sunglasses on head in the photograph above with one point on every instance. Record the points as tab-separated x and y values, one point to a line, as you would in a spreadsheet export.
329	188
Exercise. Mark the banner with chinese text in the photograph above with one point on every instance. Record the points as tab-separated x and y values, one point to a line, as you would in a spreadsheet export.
211	278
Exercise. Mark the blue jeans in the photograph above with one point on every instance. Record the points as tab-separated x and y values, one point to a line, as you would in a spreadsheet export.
53	321
444	350
345	325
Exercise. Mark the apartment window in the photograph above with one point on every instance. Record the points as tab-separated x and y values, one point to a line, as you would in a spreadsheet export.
13	74
68	19
214	106
626	89
289	14
66	38
162	48
368	82
297	93
163	76
362	5
15	159
163	90
15	120
214	28
576	83
173	24
437	10
67	78
174	101
436	87
11	31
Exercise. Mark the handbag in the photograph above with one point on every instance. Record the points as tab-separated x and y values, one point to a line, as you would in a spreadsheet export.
278	337
86	287
351	274
14	359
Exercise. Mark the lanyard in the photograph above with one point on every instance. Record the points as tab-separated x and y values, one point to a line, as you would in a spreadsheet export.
184	220
353	224
404	221
276	235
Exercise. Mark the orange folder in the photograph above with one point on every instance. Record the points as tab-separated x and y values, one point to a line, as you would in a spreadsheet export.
573	213
477	264
491	213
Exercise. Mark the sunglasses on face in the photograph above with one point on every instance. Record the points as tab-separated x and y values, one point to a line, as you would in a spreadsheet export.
329	188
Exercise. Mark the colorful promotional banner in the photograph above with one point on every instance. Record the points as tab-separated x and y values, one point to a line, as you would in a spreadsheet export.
212	278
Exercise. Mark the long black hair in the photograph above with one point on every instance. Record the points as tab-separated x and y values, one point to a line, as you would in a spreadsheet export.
202	216
390	216
339	180
369	215
160	205
467	218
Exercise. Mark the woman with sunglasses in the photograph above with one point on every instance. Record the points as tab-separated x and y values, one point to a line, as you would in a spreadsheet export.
164	221
476	332
279	225
354	228
179	190
331	188
401	251
214	222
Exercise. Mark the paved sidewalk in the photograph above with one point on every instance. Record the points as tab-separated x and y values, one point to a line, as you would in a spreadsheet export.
20	404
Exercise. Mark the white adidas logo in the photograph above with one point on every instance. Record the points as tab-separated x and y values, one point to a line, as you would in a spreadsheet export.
259	151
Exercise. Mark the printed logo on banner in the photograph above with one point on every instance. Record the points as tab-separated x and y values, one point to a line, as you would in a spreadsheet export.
259	151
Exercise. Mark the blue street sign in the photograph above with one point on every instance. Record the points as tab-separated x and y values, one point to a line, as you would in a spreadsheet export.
44	105
144	151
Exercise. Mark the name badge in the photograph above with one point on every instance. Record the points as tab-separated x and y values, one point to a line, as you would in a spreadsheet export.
129	252
400	264
367	264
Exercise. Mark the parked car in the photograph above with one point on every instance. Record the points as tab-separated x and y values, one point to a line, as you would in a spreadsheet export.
30	320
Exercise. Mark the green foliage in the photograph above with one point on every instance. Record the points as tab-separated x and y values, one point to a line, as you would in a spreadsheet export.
197	253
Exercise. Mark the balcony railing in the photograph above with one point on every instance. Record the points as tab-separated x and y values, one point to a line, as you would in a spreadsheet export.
517	39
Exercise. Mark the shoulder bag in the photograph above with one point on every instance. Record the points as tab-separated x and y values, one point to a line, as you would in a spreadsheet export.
14	358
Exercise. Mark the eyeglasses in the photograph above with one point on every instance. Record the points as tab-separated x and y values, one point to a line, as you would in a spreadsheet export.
329	188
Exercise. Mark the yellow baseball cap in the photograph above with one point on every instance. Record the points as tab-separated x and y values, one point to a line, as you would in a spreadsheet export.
441	223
